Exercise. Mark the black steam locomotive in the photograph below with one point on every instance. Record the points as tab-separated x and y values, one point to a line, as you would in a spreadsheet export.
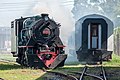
36	42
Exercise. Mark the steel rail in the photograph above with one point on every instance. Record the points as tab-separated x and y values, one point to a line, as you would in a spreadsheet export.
8	61
103	73
82	75
91	75
69	77
5	60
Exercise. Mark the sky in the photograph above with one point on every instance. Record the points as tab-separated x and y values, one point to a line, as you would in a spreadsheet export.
13	9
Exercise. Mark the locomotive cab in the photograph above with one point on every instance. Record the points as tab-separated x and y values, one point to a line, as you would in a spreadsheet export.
93	38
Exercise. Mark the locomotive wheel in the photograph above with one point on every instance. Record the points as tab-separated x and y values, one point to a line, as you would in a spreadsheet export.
24	61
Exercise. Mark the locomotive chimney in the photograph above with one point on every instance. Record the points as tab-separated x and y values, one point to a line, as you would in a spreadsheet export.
45	16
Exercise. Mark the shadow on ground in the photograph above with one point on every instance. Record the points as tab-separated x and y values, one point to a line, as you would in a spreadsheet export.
113	73
9	66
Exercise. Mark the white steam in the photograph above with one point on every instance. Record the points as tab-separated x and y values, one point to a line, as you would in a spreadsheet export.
59	13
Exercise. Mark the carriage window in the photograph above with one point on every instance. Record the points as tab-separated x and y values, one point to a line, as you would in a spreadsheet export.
94	29
94	35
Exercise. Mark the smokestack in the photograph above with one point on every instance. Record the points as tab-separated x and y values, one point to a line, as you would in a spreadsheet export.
45	16
60	14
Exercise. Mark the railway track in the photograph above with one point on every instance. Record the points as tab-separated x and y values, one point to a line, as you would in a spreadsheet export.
5	60
8	61
59	76
72	75
84	75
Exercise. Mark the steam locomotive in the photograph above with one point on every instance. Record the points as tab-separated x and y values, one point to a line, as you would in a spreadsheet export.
93	39
36	43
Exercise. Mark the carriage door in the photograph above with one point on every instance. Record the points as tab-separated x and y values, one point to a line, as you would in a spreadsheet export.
94	36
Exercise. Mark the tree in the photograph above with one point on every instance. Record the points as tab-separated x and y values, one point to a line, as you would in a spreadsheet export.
109	8
85	7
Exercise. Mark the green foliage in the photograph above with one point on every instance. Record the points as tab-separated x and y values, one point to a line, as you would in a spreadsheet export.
117	41
114	62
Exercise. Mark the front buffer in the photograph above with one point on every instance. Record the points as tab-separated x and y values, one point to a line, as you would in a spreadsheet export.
45	60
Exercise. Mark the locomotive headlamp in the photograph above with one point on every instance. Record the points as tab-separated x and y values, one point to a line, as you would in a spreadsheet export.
46	32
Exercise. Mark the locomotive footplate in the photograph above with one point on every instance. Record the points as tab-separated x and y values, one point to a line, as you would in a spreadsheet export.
59	61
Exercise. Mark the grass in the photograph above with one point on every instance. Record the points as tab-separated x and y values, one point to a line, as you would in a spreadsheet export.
20	74
11	71
114	62
112	68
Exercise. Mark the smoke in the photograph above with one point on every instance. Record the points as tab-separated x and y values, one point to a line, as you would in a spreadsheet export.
59	13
